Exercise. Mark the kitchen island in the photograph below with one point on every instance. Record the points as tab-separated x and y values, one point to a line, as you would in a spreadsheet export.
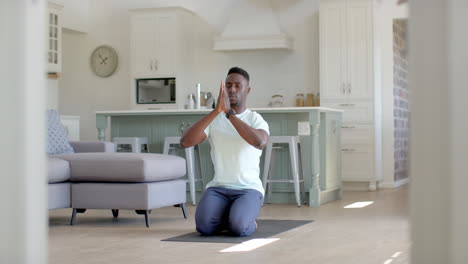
319	129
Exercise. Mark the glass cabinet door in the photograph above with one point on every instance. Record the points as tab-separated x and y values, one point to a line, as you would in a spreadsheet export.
54	40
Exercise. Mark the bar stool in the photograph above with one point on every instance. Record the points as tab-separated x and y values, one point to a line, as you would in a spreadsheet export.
134	142
293	143
192	153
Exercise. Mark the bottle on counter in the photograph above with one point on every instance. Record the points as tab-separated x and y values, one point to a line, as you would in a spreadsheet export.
310	99
203	98
190	102
317	100
198	100
209	100
299	100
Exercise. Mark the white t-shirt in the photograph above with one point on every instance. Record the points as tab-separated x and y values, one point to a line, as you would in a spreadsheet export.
236	162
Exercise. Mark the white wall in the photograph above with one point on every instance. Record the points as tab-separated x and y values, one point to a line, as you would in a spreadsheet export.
273	71
52	93
458	142
75	14
389	11
439	146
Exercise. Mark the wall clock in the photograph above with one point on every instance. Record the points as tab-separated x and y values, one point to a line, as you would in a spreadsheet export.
104	61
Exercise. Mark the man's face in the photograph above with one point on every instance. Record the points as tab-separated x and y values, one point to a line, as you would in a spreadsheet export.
237	88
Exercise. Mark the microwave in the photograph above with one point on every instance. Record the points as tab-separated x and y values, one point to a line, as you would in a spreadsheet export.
156	91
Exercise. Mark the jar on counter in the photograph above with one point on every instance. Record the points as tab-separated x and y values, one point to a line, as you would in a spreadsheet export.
317	100
299	100
310	99
276	100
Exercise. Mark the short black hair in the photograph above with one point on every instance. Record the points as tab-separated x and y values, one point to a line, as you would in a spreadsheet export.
239	71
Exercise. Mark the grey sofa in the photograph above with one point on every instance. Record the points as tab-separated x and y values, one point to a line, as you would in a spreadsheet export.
95	177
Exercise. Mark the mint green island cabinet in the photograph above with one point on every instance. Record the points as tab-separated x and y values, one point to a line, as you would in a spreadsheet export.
319	129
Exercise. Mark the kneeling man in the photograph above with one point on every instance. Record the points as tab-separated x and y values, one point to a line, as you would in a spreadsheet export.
232	200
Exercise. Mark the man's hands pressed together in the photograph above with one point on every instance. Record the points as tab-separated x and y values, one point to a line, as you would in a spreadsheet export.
223	104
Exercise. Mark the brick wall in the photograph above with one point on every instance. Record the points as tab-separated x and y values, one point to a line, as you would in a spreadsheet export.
401	96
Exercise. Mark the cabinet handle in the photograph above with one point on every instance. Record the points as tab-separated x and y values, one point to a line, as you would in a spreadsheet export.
155	64
349	88
347	150
343	87
348	126
346	104
151	64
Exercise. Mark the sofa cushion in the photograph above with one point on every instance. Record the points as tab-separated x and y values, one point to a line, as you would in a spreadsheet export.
123	167
59	195
58	170
57	141
92	146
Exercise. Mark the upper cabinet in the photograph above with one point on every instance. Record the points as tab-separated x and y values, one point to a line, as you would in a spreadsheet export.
157	39
54	37
346	49
153	44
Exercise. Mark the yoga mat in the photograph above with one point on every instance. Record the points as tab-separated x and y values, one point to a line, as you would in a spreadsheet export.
266	228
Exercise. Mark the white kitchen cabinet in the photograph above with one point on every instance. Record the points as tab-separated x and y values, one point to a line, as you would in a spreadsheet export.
161	45
353	111
157	37
357	161
333	74
346	49
153	43
54	38
143	48
349	81
357	134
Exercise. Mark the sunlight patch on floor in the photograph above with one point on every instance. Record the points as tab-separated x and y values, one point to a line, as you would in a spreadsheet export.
250	245
359	204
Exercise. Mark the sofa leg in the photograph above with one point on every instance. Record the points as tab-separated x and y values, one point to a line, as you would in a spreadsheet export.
184	209
146	213
115	213
75	211
147	218
73	219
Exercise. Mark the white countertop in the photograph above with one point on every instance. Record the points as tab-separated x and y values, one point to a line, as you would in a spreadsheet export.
195	111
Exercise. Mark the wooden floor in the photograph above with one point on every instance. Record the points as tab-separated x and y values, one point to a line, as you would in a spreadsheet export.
372	234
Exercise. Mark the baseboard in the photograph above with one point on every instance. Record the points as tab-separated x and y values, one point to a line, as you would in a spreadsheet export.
354	186
330	195
395	184
364	185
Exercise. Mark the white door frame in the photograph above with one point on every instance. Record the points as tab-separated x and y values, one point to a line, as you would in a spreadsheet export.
23	188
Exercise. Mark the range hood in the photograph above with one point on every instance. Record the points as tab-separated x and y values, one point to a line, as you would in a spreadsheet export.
252	24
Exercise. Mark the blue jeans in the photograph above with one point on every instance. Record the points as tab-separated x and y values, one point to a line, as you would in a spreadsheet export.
235	210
